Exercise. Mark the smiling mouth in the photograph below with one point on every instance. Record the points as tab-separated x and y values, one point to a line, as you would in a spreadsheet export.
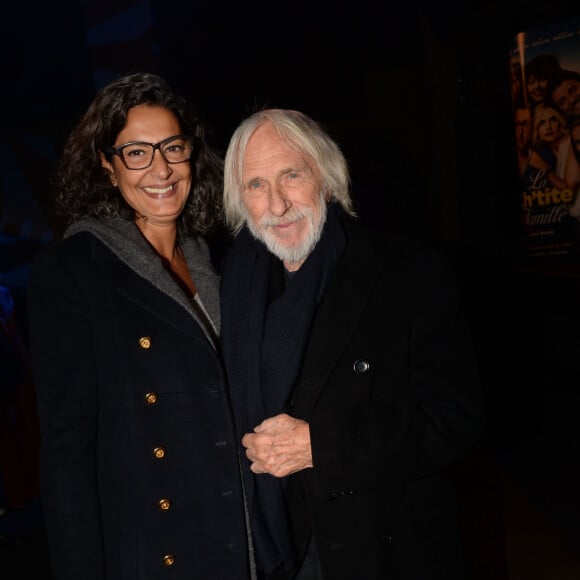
159	191
284	222
285	230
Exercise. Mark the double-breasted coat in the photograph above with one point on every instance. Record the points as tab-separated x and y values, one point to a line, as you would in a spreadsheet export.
390	389
139	469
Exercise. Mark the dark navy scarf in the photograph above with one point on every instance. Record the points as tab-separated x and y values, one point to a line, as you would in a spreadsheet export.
263	339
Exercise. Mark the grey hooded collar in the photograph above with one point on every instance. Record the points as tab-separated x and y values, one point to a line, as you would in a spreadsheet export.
124	239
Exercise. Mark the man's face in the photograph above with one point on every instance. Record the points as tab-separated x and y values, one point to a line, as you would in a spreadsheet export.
523	126
567	97
283	197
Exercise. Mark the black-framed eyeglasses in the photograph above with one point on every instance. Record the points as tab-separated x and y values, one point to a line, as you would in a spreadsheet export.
139	154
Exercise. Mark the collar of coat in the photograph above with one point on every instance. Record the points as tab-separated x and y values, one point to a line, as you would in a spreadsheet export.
125	240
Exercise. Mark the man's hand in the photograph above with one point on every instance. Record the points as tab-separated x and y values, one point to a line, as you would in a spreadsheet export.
279	446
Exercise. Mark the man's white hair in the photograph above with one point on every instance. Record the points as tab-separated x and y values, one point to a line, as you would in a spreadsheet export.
302	134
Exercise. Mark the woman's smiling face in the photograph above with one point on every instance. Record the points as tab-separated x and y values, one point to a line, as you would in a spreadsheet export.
159	192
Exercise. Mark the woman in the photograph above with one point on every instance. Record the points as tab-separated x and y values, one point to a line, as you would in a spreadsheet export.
539	73
551	147
139	468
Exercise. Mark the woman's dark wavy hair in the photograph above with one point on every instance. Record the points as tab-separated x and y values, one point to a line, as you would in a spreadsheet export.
81	185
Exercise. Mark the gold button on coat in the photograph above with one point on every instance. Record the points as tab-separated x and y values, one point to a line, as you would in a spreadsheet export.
164	504
145	342
159	452
151	398
168	560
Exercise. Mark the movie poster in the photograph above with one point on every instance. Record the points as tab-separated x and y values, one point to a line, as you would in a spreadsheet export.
545	84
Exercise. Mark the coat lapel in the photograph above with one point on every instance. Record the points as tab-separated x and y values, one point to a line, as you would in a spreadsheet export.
127	244
339	313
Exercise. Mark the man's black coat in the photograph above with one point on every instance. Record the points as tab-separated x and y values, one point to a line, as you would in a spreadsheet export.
390	389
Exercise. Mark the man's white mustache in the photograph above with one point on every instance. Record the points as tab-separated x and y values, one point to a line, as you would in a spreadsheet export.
288	218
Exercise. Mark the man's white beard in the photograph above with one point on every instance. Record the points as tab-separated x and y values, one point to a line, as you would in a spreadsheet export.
300	251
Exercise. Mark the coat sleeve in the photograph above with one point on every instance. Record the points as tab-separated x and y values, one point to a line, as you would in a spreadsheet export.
62	353
419	407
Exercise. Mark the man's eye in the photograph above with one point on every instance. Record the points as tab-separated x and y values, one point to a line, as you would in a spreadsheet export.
255	184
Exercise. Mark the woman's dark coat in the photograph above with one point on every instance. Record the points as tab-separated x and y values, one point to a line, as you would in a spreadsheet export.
140	474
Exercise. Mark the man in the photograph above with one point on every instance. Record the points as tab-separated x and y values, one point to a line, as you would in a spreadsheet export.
565	93
351	372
